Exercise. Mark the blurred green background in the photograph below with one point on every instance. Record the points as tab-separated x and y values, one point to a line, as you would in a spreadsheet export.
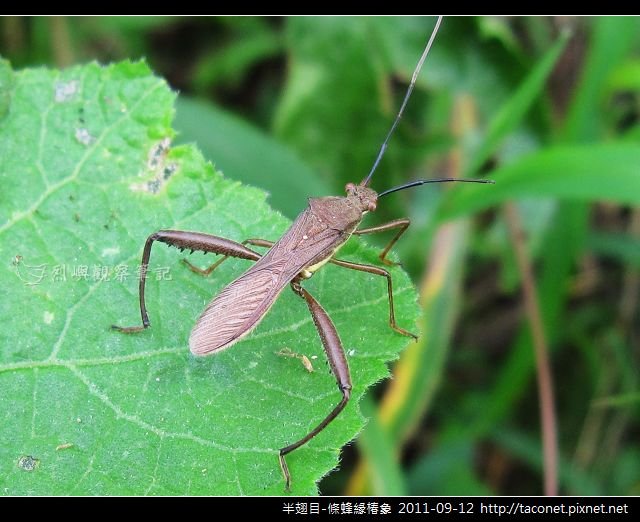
530	287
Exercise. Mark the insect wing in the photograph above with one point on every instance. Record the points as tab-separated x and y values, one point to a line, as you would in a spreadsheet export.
239	307
235	311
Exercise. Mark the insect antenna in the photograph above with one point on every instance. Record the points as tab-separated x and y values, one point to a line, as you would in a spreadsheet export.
425	181
383	148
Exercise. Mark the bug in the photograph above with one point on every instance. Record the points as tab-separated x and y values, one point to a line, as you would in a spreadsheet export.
312	241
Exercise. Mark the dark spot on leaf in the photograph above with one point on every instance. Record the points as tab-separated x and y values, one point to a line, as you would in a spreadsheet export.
158	153
153	186
169	170
28	463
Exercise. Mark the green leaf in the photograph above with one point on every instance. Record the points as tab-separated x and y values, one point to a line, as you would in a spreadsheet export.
512	112
244	153
217	67
377	447
88	172
625	77
448	470
599	172
527	449
418	375
329	113
619	401
611	40
618	246
423	365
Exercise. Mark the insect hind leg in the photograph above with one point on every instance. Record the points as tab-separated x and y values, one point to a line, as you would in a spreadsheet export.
194	241
205	272
340	368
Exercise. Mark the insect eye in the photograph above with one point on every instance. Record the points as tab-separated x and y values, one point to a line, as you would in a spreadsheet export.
350	188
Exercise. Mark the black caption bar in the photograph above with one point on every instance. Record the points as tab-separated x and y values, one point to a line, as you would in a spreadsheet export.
312	509
385	508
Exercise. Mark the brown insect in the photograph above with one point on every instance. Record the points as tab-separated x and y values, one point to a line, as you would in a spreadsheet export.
311	242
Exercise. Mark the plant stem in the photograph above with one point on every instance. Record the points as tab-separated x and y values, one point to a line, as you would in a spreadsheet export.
541	348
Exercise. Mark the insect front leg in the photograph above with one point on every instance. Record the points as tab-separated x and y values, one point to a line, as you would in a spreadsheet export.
381	272
339	366
183	240
401	224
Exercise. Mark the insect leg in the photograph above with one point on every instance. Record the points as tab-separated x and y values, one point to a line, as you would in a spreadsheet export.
258	242
401	224
181	239
381	272
339	366
206	271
